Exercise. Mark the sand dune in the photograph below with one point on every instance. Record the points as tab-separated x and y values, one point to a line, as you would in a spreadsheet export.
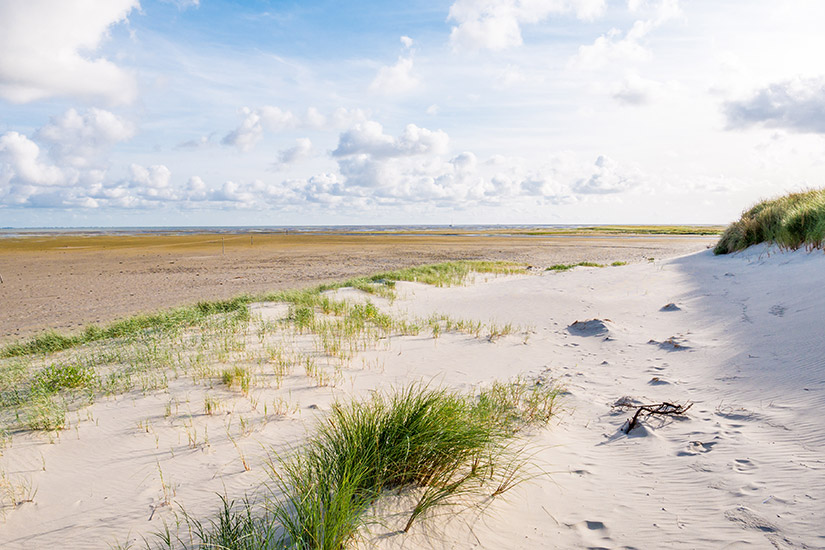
739	337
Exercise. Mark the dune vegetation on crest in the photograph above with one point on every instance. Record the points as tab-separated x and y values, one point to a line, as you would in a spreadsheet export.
791	221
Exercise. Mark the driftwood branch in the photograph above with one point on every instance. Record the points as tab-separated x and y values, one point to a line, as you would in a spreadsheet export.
660	409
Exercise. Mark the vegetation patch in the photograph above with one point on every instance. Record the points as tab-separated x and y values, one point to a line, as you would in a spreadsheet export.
791	221
443	274
438	447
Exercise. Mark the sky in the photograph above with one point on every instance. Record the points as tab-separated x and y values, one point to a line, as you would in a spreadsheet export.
242	113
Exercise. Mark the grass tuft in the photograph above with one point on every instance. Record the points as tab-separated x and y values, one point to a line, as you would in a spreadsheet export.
434	445
791	221
567	267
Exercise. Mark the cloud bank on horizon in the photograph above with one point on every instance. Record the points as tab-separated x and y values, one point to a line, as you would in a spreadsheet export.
120	112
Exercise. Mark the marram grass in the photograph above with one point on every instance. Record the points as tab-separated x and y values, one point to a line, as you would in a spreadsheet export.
791	221
438	446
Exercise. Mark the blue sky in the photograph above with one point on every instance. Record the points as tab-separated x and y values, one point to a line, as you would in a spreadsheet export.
123	113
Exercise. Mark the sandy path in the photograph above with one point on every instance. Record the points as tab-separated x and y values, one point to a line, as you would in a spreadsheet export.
68	282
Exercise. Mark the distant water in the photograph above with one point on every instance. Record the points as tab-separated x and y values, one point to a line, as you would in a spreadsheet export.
280	229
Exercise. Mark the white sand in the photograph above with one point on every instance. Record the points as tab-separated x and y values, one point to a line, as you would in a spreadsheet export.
744	469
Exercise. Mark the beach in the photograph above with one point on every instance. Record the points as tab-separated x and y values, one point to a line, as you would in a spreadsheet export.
65	282
734	338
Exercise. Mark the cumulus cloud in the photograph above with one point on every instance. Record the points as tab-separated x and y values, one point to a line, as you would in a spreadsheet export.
368	138
46	50
615	46
21	163
255	121
274	119
300	151
496	24
794	105
607	177
395	79
398	78
77	139
635	90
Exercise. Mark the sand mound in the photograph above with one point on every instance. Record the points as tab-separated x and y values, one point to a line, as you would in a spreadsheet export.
674	343
670	307
593	327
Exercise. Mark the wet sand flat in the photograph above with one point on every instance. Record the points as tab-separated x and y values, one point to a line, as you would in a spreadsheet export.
69	281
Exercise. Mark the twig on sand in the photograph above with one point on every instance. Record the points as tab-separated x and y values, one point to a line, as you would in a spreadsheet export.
661	409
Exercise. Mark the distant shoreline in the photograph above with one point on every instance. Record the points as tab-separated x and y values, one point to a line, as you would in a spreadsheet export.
439	230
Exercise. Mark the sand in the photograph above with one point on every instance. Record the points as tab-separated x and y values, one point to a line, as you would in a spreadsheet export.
68	282
739	337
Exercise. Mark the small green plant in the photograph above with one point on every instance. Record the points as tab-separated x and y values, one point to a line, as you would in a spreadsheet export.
618	264
56	377
211	404
46	413
237	377
303	317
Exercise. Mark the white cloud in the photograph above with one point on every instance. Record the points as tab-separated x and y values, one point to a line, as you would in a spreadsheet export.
344	118
618	47
274	119
607	177
46	49
368	138
300	151
399	78
796	105
395	79
21	163
635	90
152	183
496	24
78	139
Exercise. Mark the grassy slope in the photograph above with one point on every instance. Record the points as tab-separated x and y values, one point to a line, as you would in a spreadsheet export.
443	274
791	221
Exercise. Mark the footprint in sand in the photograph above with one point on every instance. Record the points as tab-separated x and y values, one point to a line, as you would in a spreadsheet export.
777	310
743	465
697	447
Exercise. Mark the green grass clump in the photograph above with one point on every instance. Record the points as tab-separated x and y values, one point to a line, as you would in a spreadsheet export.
237	377
791	221
435	446
567	267
56	377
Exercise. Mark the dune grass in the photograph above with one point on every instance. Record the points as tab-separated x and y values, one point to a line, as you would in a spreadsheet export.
437	446
443	274
43	379
791	221
568	267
